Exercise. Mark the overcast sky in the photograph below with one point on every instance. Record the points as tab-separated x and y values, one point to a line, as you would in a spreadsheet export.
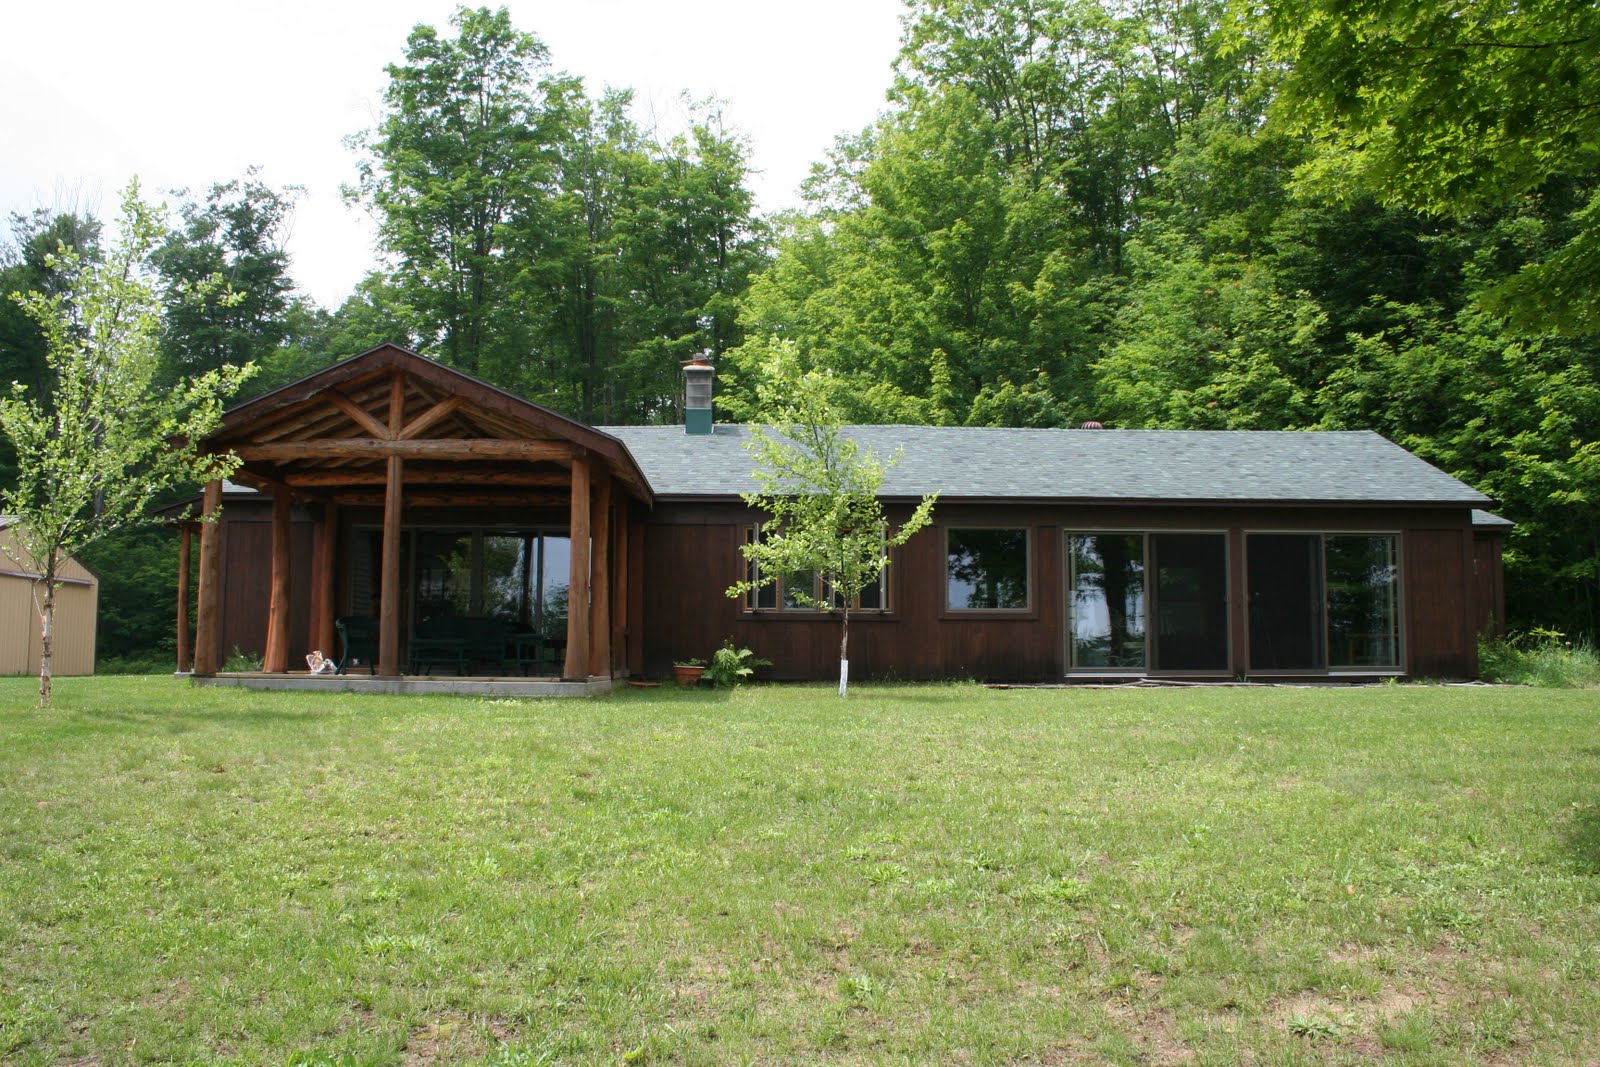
185	93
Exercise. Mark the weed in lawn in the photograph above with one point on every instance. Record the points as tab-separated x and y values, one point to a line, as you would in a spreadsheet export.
1412	1031
1313	1027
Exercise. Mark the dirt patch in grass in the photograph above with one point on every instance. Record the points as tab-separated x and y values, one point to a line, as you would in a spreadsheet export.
1155	1032
452	1036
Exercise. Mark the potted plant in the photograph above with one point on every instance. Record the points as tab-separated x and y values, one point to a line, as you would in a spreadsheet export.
688	672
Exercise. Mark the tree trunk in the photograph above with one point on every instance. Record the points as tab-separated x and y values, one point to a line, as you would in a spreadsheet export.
844	652
47	633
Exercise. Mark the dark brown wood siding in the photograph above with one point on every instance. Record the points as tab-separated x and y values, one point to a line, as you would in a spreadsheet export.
692	557
247	579
1440	640
1488	583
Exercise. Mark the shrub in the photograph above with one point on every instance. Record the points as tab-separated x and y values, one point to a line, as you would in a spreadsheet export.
730	666
242	662
135	665
1544	658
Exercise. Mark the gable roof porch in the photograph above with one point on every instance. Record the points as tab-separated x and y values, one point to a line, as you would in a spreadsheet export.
393	430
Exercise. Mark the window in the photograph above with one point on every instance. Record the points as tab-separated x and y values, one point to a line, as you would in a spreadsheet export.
785	593
1321	601
1156	600
516	575
1107	590
986	570
1363	580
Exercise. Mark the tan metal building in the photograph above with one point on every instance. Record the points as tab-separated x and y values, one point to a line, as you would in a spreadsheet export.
77	602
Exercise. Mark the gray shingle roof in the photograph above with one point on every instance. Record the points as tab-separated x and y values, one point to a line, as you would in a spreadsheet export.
1490	520
1145	465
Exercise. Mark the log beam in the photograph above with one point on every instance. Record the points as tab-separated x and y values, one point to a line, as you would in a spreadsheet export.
430	418
452	498
276	658
360	415
207	634
363	448
576	667
338	479
397	402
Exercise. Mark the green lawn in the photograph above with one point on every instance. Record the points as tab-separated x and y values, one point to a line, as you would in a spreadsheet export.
917	875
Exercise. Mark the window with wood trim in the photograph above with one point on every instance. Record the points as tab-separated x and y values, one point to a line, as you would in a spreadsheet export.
987	569
789	591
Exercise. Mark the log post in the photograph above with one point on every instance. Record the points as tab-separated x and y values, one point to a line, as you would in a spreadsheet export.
276	658
324	593
185	537
634	655
393	499
207	634
389	606
576	667
600	614
619	589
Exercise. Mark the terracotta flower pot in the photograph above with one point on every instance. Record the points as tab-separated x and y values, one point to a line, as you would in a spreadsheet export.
687	676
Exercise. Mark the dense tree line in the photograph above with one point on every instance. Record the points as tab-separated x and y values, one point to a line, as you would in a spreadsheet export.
1165	213
1177	213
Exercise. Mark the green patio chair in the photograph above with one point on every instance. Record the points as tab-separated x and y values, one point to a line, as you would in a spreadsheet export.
358	637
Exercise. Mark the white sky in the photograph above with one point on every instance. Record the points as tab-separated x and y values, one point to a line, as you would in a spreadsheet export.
185	93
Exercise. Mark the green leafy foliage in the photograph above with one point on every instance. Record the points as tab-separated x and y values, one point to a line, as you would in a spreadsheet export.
1451	108
729	665
543	240
236	233
1545	658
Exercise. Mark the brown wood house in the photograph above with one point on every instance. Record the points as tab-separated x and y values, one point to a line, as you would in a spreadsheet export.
473	532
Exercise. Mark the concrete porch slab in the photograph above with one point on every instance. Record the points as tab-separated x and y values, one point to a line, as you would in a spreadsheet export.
524	688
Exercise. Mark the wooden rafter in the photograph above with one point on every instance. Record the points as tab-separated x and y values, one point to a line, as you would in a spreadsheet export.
361	416
426	420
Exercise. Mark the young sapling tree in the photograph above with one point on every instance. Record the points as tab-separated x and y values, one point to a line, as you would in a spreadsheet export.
819	491
96	451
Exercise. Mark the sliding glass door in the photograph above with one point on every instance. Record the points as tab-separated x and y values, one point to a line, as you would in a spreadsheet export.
1323	601
1285	576
1155	601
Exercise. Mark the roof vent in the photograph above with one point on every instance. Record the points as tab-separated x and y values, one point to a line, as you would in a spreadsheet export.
1090	425
697	375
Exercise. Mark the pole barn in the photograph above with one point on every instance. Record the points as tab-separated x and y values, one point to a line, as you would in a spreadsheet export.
77	601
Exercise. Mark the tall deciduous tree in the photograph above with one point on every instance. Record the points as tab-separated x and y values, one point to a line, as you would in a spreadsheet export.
1452	106
819	490
94	454
464	148
236	233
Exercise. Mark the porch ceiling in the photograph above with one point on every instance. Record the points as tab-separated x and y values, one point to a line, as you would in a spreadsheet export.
329	436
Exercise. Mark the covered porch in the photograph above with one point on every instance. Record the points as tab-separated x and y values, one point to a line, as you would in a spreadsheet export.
427	531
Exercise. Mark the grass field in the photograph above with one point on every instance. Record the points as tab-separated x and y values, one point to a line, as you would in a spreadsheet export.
917	875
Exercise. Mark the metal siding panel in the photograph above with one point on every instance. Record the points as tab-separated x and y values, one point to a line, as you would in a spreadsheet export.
16	625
